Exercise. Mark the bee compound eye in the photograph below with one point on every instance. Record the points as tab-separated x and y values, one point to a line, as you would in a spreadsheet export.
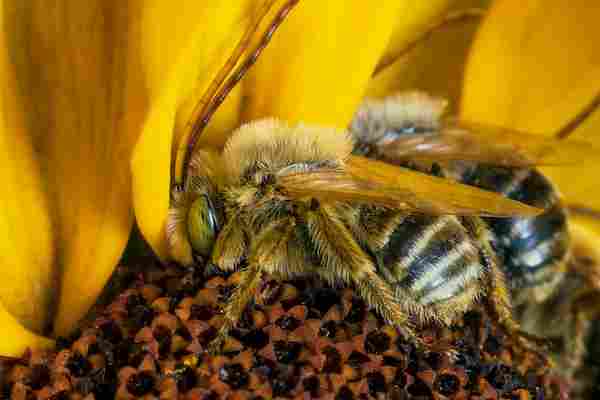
202	225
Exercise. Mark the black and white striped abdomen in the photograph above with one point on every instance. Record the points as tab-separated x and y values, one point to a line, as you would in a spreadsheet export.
430	258
528	247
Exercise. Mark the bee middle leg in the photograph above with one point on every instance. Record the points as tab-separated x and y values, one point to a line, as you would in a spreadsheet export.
343	259
378	294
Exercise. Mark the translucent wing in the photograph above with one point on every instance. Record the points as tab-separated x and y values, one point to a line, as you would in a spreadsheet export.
458	140
269	15
365	180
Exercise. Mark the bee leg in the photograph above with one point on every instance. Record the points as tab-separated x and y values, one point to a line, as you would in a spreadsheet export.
584	309
265	255
378	294
575	344
343	260
498	306
497	301
230	246
585	264
242	295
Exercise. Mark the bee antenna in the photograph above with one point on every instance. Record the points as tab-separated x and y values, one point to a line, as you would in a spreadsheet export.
579	119
451	18
230	83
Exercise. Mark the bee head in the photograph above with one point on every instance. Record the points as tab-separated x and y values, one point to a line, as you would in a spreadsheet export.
192	225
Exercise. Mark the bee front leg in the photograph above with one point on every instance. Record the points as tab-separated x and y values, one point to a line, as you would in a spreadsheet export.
249	281
265	255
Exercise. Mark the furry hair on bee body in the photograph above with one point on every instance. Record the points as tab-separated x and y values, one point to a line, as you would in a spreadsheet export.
259	150
531	250
271	233
572	307
264	229
275	145
372	121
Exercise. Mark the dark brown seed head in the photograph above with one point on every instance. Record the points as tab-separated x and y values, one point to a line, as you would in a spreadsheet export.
302	342
234	375
141	383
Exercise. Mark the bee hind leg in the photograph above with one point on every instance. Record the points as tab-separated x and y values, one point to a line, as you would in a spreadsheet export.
584	310
498	306
497	300
584	268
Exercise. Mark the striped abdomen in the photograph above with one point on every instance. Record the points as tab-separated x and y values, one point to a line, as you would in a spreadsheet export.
432	259
528	247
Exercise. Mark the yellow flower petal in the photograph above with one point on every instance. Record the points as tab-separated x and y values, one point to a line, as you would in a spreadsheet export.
180	60
150	169
318	65
533	67
225	120
78	70
316	75
26	248
586	236
436	63
415	17
16	339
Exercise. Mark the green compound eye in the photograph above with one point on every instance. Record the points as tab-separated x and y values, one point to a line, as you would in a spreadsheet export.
202	225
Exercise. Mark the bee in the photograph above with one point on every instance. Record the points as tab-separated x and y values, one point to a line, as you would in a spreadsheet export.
541	260
293	201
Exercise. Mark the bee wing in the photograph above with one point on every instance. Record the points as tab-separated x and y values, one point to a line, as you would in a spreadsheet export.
364	180
465	141
268	17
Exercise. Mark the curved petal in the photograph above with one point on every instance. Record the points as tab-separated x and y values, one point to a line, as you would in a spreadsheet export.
180	60
318	65
84	98
16	339
588	230
26	248
538	75
303	62
414	18
436	63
